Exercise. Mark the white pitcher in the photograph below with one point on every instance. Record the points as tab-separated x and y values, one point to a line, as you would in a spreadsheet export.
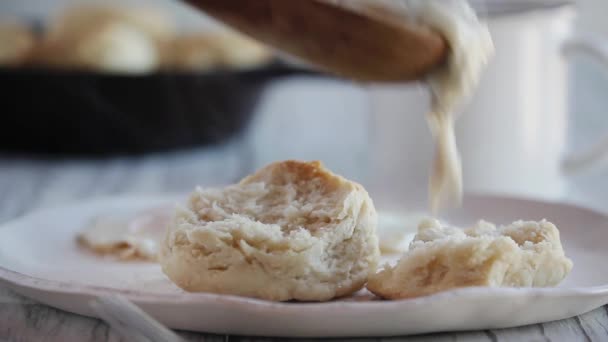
513	133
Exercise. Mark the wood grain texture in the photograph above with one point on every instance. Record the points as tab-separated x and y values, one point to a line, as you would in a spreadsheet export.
26	184
340	41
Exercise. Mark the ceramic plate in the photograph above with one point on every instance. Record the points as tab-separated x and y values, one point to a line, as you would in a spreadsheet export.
40	259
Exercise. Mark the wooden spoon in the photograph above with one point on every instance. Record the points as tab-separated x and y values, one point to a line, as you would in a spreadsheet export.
340	41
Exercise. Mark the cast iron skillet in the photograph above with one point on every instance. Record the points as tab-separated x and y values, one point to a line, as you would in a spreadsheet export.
52	112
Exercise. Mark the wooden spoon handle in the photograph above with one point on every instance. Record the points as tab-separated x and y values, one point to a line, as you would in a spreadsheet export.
337	40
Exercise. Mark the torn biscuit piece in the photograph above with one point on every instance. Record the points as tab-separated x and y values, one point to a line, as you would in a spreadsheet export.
127	238
522	254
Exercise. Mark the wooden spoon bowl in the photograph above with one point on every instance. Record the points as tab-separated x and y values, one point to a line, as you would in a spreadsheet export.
344	42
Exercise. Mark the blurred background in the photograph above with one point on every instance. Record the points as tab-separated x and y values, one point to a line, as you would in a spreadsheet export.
151	96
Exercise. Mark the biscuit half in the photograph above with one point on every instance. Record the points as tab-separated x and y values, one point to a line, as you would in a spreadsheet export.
292	231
